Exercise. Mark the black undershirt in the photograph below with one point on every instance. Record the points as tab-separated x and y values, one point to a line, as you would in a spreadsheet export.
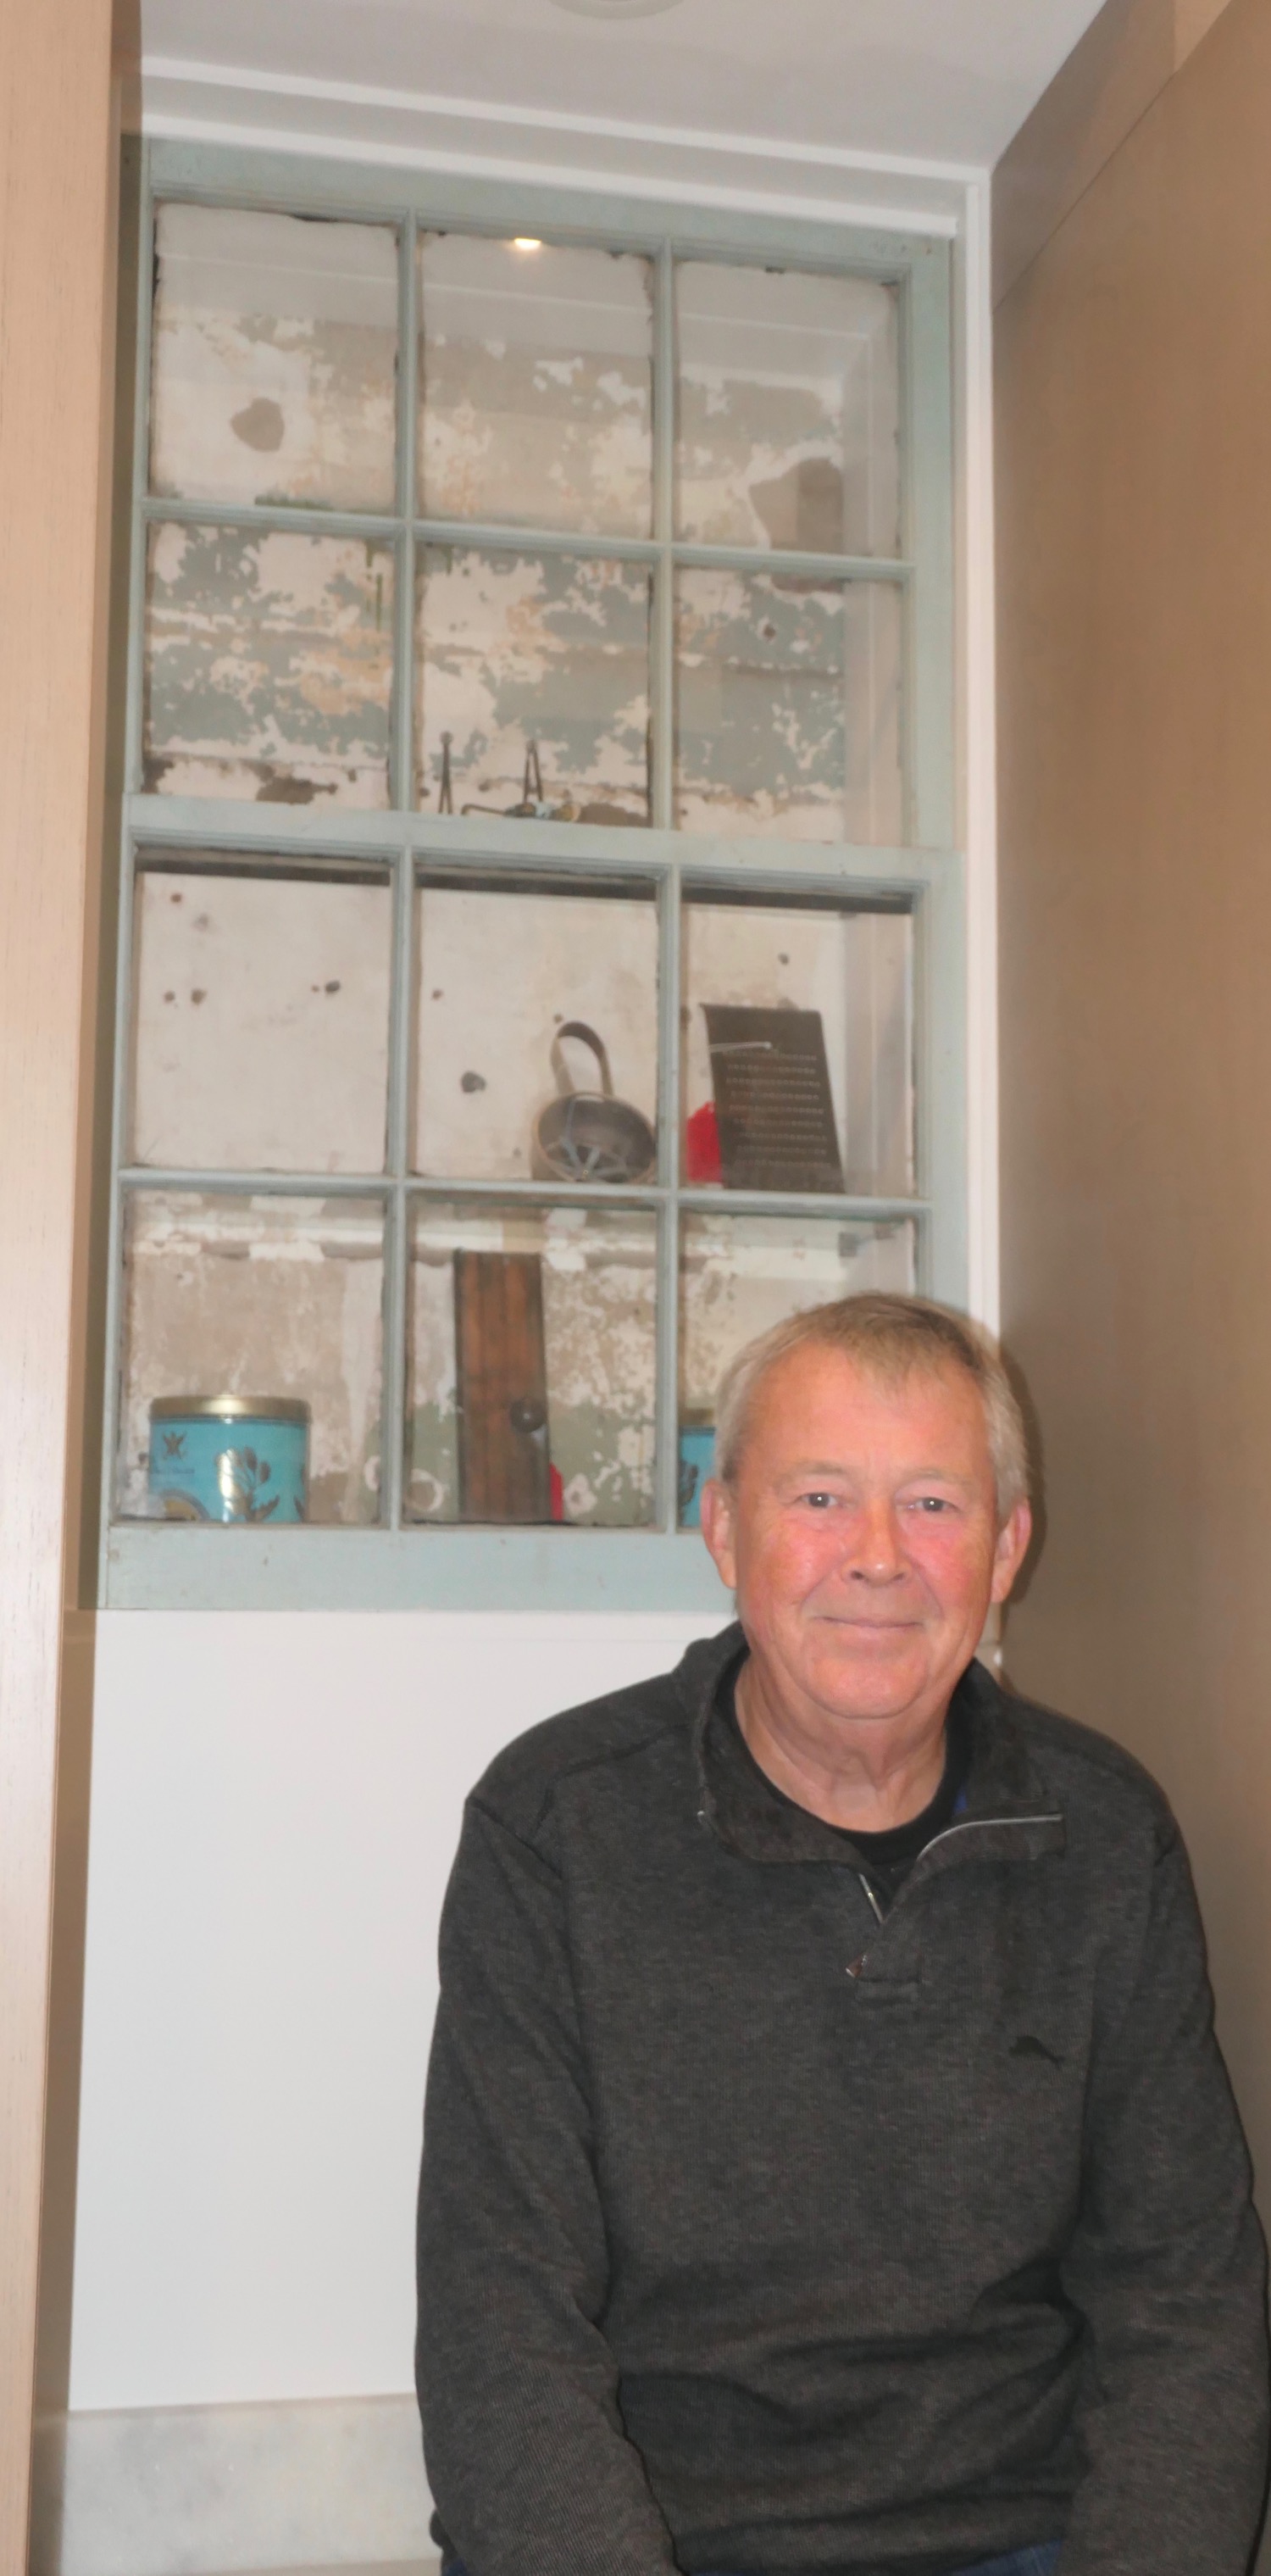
887	1857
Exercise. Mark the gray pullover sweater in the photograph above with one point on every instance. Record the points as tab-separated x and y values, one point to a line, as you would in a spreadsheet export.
758	2236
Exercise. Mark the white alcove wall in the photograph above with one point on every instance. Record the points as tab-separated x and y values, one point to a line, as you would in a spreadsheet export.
276	1800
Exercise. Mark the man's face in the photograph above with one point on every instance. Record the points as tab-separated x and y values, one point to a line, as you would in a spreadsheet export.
861	1535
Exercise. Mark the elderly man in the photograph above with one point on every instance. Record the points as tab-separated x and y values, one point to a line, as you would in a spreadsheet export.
829	2164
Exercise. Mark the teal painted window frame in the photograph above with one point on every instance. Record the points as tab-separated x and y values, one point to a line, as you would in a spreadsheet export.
156	1565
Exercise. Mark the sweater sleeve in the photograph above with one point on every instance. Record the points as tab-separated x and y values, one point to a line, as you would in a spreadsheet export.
523	2438
1167	2267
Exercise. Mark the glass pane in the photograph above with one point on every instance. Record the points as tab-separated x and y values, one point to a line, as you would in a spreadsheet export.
741	1274
531	1000
531	1365
275	1300
798	1048
260	1017
789	410
536	381
534	686
788	707
275	359
269	666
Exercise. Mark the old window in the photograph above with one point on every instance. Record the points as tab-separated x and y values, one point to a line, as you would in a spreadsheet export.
540	924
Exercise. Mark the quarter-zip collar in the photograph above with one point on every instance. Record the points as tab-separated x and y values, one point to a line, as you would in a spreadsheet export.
1008	1811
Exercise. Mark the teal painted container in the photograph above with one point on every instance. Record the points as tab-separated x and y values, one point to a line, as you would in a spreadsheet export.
697	1462
228	1458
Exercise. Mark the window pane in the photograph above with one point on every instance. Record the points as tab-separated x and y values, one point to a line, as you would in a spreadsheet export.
789	410
260	1016
264	1298
797	1047
788	707
532	1365
269	666
535	385
534	686
739	1275
528	998
275	359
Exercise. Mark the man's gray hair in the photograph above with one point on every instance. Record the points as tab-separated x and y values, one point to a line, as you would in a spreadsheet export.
890	1338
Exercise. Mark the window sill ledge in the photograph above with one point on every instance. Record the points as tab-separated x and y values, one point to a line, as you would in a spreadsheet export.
150	1566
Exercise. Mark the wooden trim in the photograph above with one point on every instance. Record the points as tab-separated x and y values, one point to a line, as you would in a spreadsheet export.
1192	20
1134	544
58	165
1097	96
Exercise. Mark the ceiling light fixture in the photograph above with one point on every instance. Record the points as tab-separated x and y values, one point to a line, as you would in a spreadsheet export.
616	8
523	241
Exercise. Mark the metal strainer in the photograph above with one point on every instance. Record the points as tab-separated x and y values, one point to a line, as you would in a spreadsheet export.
588	1135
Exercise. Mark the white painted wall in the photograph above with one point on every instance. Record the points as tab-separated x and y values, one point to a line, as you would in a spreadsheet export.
276	1800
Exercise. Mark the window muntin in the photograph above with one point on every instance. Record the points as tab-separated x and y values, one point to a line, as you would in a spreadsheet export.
218	778
708	416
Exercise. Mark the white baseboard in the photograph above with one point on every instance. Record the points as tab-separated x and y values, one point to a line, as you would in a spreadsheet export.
318	2484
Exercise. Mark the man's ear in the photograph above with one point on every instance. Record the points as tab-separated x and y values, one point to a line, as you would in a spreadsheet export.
1012	1548
718	1529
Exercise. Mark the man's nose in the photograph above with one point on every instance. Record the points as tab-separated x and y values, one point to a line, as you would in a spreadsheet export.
877	1555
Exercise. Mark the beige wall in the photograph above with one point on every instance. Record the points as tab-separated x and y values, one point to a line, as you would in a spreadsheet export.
1134	426
1123	61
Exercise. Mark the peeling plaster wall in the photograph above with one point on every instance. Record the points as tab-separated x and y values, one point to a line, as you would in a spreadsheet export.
261	1044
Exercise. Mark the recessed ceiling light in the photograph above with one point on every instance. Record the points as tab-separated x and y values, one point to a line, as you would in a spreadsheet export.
617	8
522	241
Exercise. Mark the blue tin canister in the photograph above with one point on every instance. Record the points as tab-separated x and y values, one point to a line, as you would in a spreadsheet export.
230	1457
697	1460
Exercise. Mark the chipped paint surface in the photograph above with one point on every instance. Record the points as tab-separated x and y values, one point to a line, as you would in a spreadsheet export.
536	386
788	707
275	354
498	972
543	648
262	991
268	667
260	1020
742	1274
599	1289
258	1297
789	410
856	970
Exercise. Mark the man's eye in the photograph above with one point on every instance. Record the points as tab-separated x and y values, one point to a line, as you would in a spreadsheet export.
820	1502
933	1503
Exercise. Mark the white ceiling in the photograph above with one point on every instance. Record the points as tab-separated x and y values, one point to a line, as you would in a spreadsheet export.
946	80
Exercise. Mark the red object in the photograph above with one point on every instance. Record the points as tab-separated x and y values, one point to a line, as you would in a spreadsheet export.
701	1145
556	1493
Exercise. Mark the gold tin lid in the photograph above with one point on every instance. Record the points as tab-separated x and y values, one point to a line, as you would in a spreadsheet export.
228	1408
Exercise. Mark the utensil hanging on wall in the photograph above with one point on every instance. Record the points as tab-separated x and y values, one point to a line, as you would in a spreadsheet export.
589	1135
534	805
772	1099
